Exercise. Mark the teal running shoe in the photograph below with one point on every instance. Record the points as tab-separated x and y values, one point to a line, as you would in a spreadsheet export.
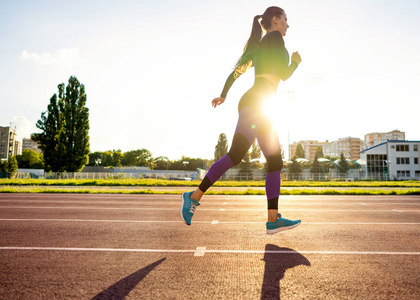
281	224
188	207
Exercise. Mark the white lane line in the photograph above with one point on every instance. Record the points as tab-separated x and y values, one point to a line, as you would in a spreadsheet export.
206	209
210	202
201	250
214	222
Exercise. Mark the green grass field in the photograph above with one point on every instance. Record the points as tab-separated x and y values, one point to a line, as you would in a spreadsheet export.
168	183
150	185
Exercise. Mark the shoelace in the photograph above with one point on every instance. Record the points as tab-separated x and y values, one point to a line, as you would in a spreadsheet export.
193	207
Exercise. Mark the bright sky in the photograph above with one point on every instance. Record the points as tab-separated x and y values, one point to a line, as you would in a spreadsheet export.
151	68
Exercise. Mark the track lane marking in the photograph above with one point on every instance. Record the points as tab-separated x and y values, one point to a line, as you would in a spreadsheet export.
201	209
201	250
213	222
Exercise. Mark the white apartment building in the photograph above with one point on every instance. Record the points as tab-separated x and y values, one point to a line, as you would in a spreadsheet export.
7	142
394	160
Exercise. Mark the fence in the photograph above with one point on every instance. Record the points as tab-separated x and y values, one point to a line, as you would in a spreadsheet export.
188	175
104	175
298	177
184	176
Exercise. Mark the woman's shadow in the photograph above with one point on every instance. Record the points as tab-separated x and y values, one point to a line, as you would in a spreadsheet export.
122	288
277	261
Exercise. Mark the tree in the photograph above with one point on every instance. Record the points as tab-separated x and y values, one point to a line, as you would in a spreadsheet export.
319	152
107	160
95	158
117	157
151	163
343	165
162	163
255	150
295	168
245	165
9	166
300	153
316	166
30	159
221	147
65	129
140	157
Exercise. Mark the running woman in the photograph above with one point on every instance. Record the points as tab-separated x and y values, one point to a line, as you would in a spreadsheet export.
270	60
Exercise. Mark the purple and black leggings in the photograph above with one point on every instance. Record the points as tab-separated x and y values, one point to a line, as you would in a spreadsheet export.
251	125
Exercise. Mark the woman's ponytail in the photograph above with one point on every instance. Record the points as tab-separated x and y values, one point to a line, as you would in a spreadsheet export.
245	61
251	46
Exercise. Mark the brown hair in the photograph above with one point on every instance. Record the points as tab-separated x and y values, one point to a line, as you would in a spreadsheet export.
251	46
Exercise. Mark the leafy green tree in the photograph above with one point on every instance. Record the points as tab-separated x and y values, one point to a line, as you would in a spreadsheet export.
255	150
187	163
95	158
316	168
9	166
295	169
151	163
117	157
107	160
30	159
138	157
343	166
300	153
162	163
245	165
221	147
65	129
319	153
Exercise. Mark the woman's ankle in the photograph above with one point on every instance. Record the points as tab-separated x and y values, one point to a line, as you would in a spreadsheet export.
273	214
196	195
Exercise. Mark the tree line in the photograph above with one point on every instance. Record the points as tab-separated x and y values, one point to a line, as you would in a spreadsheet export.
143	158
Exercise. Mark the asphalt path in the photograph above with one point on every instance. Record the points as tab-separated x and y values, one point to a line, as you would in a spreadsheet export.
99	246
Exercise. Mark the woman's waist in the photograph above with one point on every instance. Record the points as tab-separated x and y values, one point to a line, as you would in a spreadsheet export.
268	80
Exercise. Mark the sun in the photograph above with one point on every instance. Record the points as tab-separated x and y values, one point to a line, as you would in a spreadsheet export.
273	109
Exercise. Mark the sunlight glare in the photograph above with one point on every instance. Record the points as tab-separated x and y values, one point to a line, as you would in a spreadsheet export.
273	110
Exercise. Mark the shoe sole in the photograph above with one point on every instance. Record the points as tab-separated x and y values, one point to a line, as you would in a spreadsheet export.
271	231
180	211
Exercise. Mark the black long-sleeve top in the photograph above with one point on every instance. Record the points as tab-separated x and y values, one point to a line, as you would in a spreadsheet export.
271	59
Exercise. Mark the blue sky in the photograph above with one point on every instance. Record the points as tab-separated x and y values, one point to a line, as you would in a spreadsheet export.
151	69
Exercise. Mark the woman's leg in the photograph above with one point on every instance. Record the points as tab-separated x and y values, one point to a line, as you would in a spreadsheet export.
245	133
270	146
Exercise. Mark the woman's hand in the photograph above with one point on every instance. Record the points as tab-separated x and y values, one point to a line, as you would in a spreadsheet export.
217	101
296	57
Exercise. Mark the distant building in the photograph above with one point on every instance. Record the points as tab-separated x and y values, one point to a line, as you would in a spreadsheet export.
392	160
375	138
17	148
310	146
7	142
349	146
30	144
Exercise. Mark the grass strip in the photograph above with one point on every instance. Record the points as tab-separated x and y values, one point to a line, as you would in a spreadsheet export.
194	183
224	192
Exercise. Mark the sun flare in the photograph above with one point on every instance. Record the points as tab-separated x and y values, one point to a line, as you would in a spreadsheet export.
273	109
